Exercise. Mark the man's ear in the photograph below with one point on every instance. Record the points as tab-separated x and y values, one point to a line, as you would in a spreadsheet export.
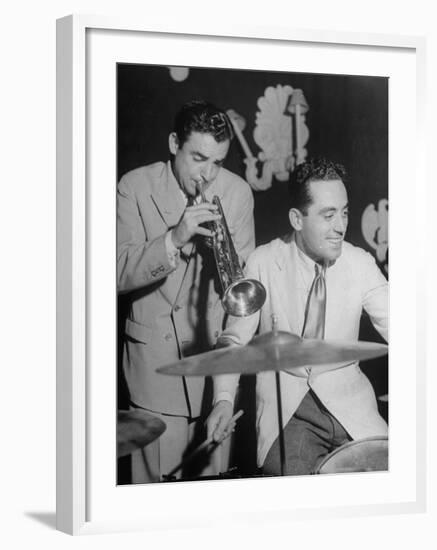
295	217
173	143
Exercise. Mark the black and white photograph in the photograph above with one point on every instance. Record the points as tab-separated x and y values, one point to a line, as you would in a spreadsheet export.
252	273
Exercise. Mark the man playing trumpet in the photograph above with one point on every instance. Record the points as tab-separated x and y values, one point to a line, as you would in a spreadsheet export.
175	308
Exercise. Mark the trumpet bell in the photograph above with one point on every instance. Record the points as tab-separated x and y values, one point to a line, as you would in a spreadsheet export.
244	297
241	297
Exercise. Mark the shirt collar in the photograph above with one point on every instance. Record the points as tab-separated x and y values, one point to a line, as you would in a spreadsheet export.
175	182
308	263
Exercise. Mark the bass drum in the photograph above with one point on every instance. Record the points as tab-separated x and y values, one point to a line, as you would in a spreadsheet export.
363	455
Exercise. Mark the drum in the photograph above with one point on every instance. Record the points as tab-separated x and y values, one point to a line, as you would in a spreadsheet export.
363	455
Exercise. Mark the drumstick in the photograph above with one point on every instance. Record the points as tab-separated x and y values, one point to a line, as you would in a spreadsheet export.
234	419
204	445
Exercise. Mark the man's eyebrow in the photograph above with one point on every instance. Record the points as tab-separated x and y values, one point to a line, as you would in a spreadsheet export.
333	209
204	157
327	209
199	154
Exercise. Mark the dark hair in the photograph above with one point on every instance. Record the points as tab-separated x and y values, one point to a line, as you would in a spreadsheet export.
315	169
203	117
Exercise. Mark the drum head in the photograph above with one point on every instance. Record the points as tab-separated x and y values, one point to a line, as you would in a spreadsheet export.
362	455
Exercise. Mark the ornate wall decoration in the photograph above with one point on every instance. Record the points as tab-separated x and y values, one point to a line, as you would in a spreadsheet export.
280	133
374	227
298	107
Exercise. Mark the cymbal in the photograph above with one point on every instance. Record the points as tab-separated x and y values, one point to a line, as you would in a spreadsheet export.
136	429
275	351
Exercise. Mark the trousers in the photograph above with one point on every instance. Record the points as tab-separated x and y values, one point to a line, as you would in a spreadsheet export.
311	434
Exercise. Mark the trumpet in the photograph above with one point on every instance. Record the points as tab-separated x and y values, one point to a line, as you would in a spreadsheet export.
241	297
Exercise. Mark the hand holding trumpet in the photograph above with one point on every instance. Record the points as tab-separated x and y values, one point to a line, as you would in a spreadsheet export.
191	222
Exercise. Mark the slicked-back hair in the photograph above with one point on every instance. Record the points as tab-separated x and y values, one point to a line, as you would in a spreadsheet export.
205	118
315	169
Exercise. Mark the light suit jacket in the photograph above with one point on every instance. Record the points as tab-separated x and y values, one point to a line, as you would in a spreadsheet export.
174	312
354	282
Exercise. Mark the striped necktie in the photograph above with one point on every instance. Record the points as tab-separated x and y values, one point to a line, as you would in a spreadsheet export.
314	324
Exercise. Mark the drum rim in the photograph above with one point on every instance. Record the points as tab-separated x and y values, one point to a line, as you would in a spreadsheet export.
346	446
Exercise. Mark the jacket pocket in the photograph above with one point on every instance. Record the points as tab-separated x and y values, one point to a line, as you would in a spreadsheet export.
139	332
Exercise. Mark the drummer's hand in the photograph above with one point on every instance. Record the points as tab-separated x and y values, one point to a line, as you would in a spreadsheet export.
217	424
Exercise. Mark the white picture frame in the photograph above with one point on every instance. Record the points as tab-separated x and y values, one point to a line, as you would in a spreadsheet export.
82	490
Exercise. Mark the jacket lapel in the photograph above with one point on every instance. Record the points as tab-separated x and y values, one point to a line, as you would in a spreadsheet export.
169	202
189	251
291	284
168	198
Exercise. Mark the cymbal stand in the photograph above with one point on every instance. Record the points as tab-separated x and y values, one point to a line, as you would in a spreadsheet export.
279	402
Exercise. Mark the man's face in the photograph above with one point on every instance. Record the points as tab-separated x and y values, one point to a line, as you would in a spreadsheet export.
320	232
198	160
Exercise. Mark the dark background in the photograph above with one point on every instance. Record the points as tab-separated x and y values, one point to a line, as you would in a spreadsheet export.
348	123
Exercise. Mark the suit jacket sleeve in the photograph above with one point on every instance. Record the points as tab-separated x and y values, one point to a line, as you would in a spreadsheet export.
241	222
375	295
239	331
140	261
